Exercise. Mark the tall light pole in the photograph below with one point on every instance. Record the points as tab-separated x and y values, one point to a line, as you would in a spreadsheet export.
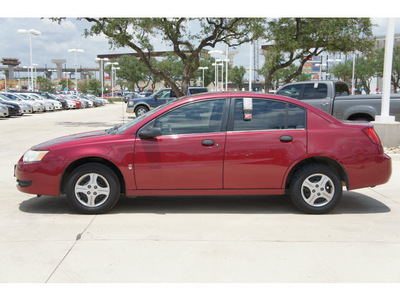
66	76
215	52
112	75
221	61
102	60
34	78
203	68
353	84
76	66
30	32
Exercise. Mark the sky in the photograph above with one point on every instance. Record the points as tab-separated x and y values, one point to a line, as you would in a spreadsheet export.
56	39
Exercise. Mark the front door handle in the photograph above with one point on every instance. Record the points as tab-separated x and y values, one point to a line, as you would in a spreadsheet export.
208	143
286	138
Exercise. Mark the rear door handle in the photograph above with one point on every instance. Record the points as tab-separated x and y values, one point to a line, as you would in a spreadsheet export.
208	143
286	138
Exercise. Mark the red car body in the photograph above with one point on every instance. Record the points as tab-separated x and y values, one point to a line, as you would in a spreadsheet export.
260	162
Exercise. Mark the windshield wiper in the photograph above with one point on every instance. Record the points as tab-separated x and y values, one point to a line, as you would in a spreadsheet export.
113	130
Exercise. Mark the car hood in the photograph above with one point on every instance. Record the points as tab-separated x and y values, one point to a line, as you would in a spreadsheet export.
61	141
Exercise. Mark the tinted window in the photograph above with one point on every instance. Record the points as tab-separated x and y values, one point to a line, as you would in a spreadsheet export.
197	91
296	117
165	94
310	92
341	89
269	115
198	117
292	91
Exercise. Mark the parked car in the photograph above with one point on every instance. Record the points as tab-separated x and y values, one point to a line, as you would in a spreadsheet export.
13	108
140	106
3	111
56	104
47	105
334	98
27	107
234	143
78	103
131	95
66	104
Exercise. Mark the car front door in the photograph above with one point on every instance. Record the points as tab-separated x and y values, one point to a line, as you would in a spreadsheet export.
189	153
258	152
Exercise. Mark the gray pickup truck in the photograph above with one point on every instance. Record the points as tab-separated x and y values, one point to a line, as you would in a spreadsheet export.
335	99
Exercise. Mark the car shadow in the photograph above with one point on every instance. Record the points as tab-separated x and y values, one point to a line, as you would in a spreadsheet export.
351	203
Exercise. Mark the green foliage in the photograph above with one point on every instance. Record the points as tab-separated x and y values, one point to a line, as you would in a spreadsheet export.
186	36
298	39
65	82
45	84
91	86
236	76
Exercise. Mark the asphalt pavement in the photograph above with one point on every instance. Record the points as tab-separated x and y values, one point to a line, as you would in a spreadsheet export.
187	239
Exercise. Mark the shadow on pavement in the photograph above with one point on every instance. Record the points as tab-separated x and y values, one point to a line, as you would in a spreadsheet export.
351	203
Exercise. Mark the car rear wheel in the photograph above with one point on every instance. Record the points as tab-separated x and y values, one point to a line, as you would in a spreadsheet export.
141	110
316	189
92	188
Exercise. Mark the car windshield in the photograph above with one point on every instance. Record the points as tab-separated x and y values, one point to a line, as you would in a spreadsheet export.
118	129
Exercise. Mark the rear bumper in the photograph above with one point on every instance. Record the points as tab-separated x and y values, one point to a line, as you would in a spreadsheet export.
368	171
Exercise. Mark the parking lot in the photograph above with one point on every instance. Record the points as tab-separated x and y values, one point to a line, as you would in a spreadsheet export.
186	239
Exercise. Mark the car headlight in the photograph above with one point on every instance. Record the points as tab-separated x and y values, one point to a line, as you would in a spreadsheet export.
131	102
34	156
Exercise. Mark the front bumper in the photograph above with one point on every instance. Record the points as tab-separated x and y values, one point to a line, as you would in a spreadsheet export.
39	178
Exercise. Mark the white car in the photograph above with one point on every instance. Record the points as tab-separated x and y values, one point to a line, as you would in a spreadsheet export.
26	106
48	106
57	105
70	103
3	111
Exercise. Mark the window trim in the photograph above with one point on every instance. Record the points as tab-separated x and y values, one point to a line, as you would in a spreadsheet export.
231	119
223	122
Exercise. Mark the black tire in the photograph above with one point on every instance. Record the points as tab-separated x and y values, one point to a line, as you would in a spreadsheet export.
92	189
315	189
141	110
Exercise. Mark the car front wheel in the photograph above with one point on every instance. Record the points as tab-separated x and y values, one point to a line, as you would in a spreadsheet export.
141	110
316	189
92	188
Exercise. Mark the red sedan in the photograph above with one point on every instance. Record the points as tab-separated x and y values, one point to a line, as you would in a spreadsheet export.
233	143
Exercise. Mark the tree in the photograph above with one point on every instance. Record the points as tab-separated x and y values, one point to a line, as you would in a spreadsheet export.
45	84
187	37
236	75
282	75
209	74
91	86
132	71
380	57
299	39
66	82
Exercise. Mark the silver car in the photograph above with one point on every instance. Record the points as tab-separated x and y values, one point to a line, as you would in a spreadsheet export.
47	105
27	105
3	111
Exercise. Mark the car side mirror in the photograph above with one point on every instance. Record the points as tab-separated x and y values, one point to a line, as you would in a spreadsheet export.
150	133
155	97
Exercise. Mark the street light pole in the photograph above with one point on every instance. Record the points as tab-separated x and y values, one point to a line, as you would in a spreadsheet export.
203	68
30	32
102	73
216	52
76	66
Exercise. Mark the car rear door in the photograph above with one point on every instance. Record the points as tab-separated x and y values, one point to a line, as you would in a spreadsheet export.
259	151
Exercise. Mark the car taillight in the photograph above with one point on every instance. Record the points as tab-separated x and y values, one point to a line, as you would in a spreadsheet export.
371	134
